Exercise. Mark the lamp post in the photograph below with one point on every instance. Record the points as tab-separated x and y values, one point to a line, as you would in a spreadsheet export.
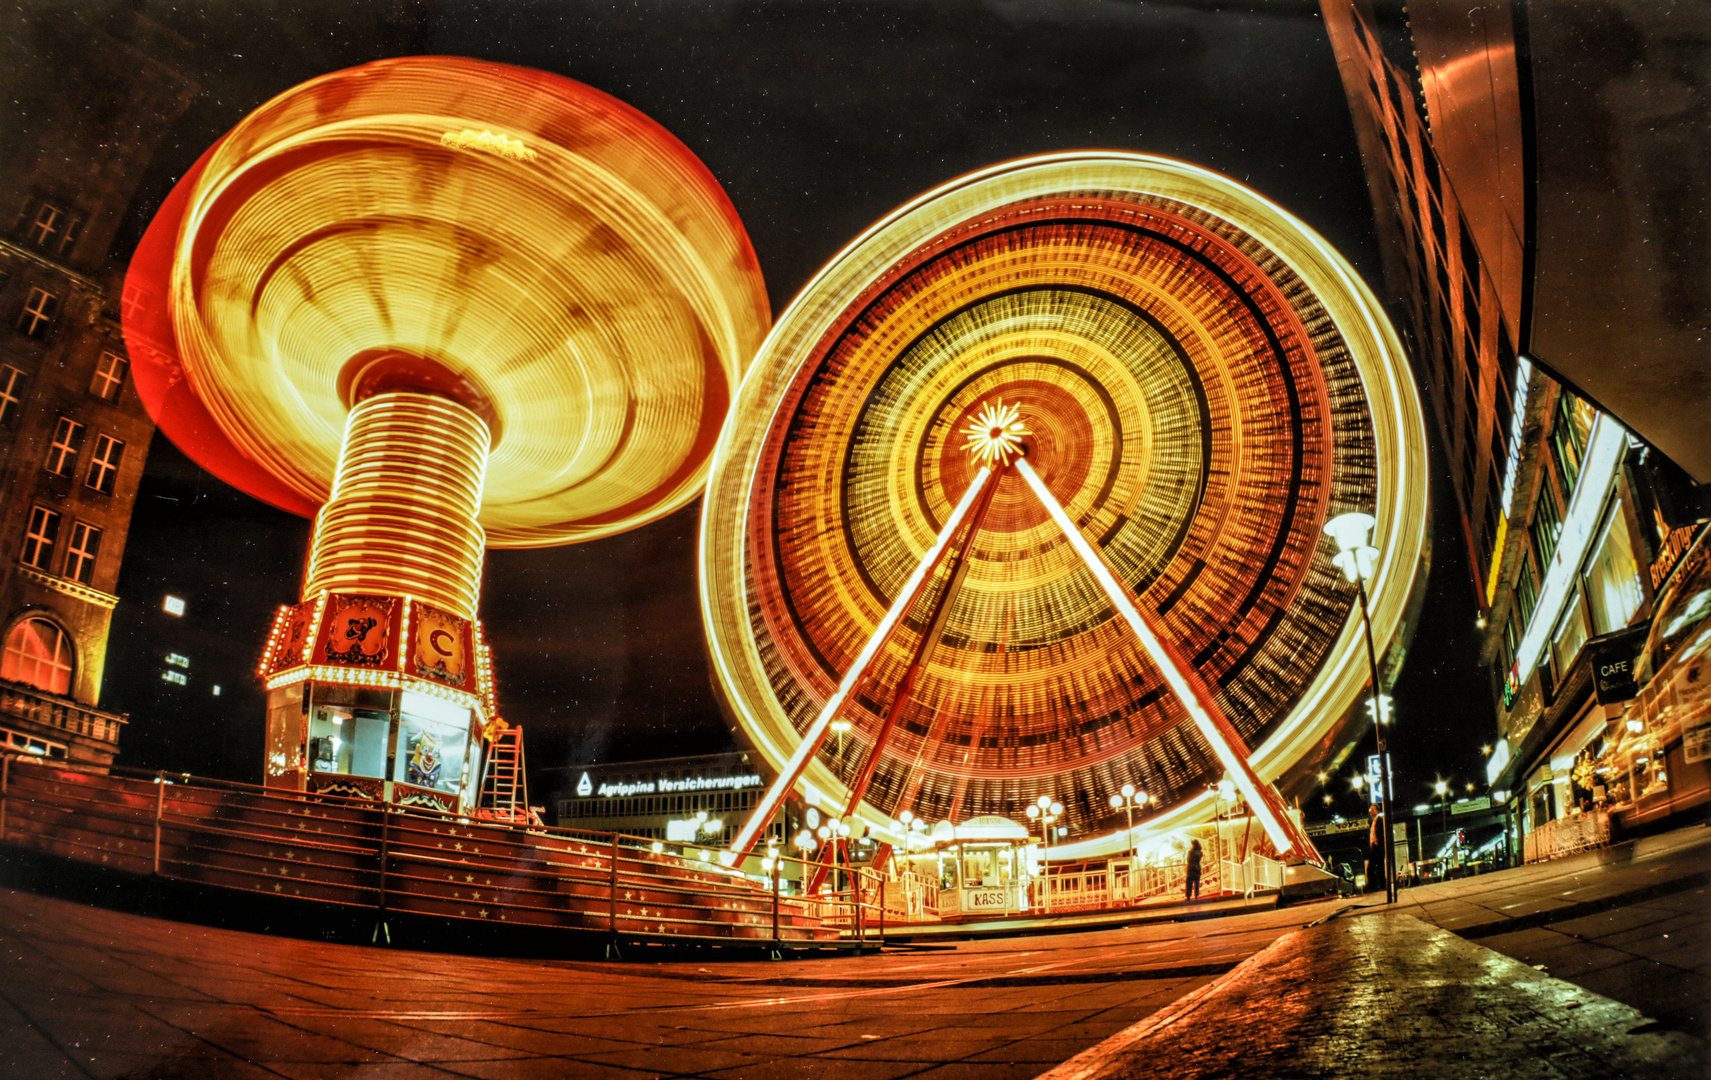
1226	791
1046	812
1357	559
1442	789
805	843
1128	800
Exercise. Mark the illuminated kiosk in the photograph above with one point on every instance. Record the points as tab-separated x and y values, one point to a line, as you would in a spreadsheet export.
981	866
1199	382
436	303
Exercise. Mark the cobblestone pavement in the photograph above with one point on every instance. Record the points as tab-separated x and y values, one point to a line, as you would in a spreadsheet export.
1631	922
1343	988
1389	996
95	993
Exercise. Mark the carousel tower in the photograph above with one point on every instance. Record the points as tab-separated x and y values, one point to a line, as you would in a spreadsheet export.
435	304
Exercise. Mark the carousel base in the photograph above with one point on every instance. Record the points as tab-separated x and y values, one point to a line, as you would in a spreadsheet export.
337	868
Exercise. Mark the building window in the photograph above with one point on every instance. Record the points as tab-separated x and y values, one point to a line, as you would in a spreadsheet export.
1613	588
39	654
80	554
48	226
67	443
104	465
1570	635
1570	430
11	393
1526	591
1547	524
109	376
39	537
37	317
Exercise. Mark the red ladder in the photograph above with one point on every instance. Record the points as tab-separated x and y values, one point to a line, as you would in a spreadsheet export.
505	789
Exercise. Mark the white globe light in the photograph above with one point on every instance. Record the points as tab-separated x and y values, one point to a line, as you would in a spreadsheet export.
1350	530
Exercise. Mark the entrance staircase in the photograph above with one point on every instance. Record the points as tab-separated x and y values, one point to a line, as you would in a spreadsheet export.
337	850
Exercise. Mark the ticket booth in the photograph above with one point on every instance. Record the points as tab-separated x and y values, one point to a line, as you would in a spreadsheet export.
982	870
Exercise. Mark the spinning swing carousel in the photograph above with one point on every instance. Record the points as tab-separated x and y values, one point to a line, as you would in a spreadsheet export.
436	304
1025	492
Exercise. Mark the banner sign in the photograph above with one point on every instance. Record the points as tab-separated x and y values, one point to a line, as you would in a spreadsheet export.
358	631
442	646
1613	658
297	629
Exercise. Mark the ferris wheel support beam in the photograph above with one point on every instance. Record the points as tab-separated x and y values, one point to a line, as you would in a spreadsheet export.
1186	683
934	629
815	736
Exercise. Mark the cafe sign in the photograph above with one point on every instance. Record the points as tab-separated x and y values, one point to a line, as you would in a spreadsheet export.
1614	657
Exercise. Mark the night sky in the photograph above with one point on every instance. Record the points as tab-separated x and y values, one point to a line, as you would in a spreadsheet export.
817	119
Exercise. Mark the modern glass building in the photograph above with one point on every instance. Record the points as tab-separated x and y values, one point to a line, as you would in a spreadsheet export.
1518	218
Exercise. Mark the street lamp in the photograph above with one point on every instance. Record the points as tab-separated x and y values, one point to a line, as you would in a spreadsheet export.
1357	559
1046	812
1226	795
1127	801
1442	789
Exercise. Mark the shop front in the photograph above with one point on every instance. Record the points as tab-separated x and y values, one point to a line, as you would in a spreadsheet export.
1656	762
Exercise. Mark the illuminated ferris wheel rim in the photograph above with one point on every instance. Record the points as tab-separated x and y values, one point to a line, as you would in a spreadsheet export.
1376	351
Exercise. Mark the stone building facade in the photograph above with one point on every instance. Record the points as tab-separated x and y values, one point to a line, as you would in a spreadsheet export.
73	433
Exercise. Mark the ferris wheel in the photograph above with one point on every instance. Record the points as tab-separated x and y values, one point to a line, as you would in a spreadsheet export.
1023	497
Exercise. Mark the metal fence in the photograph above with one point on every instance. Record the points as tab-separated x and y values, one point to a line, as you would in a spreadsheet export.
1565	836
362	854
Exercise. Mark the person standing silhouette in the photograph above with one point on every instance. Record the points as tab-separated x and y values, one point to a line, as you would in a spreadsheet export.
1194	869
1374	850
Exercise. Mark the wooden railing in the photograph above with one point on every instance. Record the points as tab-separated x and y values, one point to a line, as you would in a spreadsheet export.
361	854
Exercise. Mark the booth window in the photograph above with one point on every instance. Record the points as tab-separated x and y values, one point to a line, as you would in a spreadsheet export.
349	740
39	654
433	735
